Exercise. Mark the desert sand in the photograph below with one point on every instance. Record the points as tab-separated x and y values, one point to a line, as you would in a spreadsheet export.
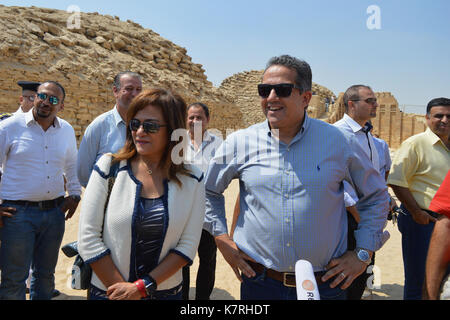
388	269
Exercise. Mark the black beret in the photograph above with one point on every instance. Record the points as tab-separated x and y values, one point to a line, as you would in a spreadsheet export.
29	85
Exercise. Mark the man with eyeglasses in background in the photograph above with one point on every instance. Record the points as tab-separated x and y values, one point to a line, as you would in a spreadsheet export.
291	170
360	107
107	133
37	149
26	100
29	89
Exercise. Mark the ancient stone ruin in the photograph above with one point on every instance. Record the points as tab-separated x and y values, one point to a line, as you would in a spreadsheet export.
37	44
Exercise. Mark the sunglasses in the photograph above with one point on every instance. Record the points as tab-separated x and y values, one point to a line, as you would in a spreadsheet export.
52	99
283	90
29	98
149	126
371	101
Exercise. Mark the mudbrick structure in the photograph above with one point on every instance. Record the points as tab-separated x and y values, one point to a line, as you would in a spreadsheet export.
39	44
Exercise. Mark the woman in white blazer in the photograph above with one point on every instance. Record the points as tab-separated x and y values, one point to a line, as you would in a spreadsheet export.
155	213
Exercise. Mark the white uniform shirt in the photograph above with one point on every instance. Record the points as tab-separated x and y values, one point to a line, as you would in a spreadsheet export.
202	156
34	160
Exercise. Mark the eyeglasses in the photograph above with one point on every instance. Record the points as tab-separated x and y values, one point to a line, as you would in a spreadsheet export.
52	99
149	126
283	90
29	98
371	101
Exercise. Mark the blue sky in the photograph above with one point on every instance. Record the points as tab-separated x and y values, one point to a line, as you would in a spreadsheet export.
408	56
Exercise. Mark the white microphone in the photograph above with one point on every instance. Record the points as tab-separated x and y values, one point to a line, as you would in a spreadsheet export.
306	281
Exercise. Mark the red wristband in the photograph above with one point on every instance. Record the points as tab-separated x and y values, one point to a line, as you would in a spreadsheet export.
141	287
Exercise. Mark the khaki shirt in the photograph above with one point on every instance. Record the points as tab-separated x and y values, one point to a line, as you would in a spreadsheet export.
420	164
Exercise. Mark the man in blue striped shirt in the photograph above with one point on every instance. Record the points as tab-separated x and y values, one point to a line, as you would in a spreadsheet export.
107	133
291	170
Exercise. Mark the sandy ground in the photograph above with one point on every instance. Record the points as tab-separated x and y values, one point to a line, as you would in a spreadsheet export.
388	265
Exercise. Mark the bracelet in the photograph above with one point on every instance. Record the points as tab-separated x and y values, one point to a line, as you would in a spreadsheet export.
141	287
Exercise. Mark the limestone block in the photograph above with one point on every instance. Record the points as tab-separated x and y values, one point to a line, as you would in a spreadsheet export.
67	41
50	39
118	43
99	40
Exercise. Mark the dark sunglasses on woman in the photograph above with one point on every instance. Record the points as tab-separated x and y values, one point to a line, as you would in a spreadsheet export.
149	126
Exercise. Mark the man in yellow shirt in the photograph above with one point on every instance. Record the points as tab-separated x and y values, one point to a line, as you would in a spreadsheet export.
418	169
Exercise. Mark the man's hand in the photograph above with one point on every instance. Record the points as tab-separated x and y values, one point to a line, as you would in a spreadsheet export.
422	217
235	257
6	212
345	268
70	204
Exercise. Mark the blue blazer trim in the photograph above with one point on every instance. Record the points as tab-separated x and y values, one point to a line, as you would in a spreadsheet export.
114	170
199	179
103	254
190	262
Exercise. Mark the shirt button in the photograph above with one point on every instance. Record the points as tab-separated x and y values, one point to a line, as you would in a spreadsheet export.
288	245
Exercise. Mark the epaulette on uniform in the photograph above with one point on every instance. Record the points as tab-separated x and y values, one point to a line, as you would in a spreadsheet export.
5	115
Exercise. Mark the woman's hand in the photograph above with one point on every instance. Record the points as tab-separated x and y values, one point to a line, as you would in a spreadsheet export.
123	291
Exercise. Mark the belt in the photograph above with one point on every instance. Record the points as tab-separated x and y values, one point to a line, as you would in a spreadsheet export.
43	205
288	278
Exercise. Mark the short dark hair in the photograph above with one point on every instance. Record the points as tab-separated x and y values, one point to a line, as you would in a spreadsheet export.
352	94
119	76
303	69
56	83
438	102
202	105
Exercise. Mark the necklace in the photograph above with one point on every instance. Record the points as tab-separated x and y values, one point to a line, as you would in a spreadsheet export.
149	171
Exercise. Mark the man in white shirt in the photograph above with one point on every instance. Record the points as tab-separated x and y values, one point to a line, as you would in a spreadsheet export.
360	106
201	148
37	149
107	133
29	89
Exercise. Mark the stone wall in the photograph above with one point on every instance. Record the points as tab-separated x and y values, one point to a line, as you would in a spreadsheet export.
36	45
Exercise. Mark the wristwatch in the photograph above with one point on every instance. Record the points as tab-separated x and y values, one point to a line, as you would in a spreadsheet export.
150	285
363	255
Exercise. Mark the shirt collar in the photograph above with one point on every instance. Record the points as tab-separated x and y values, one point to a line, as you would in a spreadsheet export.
303	129
207	138
117	118
29	119
355	126
19	111
433	138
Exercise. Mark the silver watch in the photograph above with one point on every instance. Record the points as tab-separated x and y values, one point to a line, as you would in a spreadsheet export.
363	255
